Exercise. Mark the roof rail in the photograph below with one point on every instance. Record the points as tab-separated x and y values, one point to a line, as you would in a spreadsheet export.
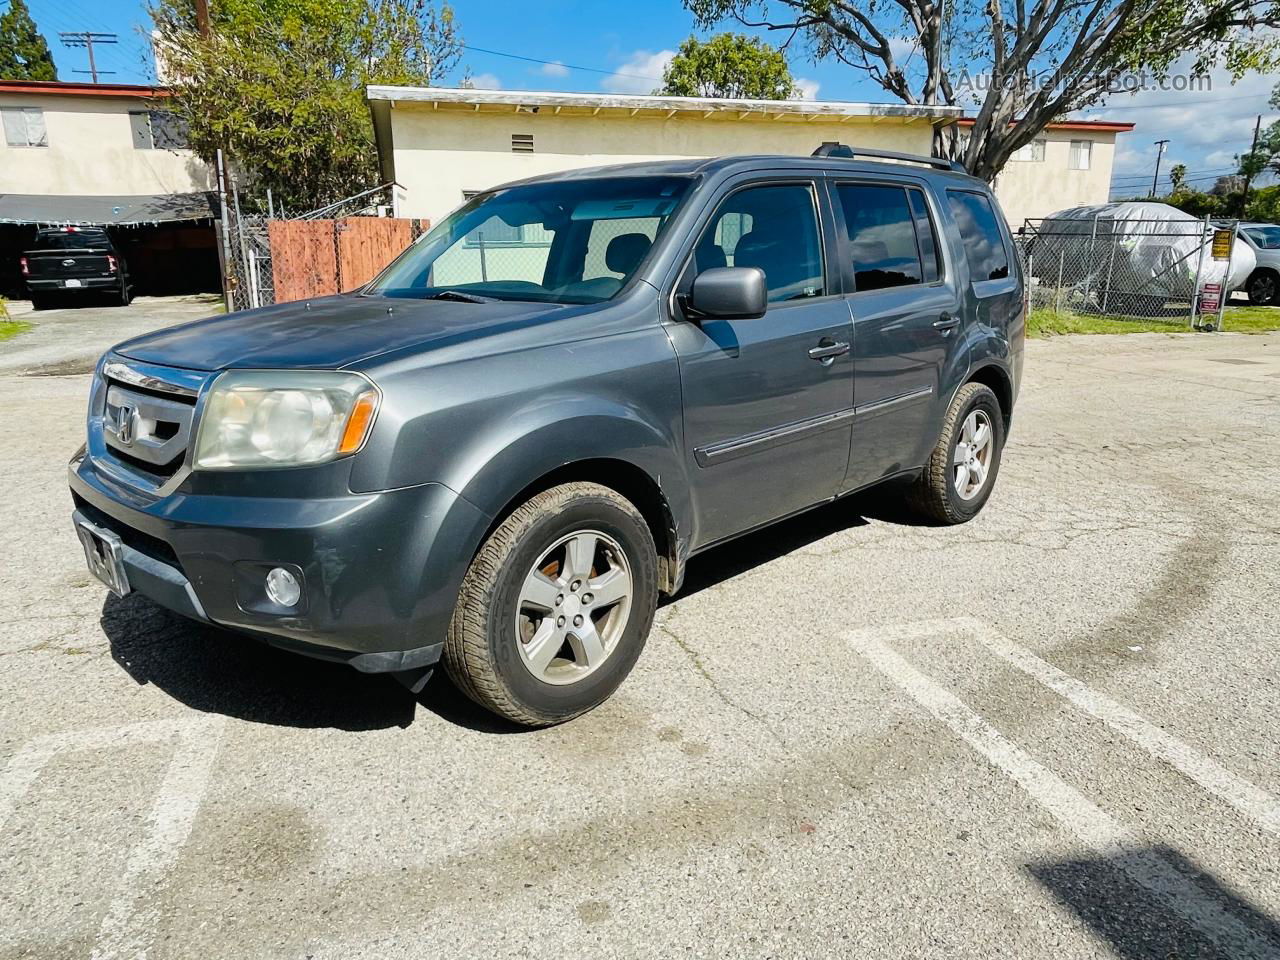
832	148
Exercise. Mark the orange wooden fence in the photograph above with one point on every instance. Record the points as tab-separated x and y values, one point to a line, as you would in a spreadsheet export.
314	258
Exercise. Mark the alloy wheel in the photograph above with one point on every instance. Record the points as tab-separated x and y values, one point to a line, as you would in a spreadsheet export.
573	607
972	459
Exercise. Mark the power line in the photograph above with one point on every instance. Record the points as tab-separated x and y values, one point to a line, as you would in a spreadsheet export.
557	63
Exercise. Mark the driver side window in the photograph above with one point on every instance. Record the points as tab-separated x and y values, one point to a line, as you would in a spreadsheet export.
774	228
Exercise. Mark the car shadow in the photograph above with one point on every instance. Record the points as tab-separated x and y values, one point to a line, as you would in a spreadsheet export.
220	671
1153	903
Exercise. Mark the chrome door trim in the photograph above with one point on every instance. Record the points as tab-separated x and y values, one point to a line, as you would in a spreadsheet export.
880	406
727	450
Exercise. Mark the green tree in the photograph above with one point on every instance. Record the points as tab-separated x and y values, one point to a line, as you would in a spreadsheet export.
730	66
1178	177
24	55
1018	65
278	85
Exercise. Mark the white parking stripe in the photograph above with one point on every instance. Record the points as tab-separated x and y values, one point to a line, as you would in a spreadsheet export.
1078	814
1252	801
125	930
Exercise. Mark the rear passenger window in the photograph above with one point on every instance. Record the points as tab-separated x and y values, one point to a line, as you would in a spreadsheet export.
774	228
930	253
882	236
980	231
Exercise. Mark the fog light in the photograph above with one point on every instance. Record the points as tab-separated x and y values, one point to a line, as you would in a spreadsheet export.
283	587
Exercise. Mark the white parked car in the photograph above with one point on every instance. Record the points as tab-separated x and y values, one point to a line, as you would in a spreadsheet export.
1263	285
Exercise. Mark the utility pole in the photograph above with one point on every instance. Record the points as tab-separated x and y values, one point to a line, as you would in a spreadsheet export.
86	39
1155	179
1248	177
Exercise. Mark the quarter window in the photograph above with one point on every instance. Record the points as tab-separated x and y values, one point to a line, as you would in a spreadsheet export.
774	228
24	127
882	236
980	231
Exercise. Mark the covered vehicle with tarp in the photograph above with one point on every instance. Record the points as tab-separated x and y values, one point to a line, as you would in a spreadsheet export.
1133	257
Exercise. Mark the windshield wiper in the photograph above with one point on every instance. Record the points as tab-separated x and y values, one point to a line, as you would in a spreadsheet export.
461	296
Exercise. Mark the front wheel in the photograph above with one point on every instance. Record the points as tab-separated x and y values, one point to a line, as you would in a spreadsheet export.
556	606
1263	288
957	479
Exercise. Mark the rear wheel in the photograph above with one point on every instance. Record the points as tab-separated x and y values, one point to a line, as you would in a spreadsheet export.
556	606
122	297
958	478
39	301
1263	288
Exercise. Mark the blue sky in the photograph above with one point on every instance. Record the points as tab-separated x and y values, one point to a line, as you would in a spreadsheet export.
627	45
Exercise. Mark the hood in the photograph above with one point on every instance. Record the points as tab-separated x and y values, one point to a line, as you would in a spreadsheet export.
328	332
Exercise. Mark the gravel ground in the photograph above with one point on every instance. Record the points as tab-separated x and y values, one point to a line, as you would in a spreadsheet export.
1049	733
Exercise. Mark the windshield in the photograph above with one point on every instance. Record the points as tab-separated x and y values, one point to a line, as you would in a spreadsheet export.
1266	238
569	241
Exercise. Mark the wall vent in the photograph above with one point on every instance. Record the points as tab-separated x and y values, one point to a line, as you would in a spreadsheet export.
522	143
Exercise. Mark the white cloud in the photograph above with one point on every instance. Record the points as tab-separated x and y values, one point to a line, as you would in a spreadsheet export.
640	73
486	81
903	47
554	69
808	89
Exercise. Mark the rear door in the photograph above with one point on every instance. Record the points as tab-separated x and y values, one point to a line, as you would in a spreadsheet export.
906	310
768	400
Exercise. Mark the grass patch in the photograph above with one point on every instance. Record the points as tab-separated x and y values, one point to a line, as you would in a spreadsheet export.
11	328
1047	322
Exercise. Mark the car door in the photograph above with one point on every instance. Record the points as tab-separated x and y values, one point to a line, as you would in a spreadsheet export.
767	400
906	313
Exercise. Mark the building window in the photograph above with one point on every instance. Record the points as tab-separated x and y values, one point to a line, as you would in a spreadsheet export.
24	127
522	143
157	130
1032	152
1081	154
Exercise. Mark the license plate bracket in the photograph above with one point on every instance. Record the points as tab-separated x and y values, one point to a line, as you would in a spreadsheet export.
104	553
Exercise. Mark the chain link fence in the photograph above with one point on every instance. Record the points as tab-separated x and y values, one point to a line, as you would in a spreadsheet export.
1176	271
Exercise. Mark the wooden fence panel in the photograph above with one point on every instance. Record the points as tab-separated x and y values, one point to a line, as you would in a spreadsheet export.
366	245
304	260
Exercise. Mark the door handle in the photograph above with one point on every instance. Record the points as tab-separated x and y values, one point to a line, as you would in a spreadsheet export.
946	322
827	350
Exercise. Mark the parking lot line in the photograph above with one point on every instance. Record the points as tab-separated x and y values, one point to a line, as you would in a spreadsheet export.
1251	800
1077	813
126	931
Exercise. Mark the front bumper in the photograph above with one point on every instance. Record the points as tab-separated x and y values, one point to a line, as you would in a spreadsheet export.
380	571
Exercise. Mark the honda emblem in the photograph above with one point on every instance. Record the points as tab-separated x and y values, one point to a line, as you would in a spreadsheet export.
126	423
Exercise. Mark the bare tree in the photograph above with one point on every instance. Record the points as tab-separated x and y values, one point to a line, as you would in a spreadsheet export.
1017	64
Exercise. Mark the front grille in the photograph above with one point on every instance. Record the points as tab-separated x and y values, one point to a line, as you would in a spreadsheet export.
143	417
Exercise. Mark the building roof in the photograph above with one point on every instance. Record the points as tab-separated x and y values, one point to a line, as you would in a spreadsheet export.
106	211
1097	126
613	104
76	89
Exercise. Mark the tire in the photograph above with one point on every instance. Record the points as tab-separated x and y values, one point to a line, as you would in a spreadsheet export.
122	296
935	494
39	302
1263	288
497	650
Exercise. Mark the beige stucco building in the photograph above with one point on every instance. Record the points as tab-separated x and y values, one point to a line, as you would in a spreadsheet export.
1068	165
440	145
85	139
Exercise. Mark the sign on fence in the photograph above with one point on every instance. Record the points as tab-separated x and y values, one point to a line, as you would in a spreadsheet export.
1210	297
1222	244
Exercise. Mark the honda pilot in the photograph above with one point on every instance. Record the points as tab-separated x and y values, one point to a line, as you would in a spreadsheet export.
501	451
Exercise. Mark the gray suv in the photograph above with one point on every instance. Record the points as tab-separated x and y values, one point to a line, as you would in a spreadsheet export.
502	450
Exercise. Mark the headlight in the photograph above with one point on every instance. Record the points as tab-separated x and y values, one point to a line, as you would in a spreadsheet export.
285	418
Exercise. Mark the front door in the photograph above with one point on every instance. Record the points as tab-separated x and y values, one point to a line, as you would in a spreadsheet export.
906	319
767	401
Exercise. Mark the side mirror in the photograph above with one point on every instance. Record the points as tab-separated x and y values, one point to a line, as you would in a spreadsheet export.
729	293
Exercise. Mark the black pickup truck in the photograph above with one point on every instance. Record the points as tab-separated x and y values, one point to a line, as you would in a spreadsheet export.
69	260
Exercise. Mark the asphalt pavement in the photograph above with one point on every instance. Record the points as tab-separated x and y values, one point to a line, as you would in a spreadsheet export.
1048	733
